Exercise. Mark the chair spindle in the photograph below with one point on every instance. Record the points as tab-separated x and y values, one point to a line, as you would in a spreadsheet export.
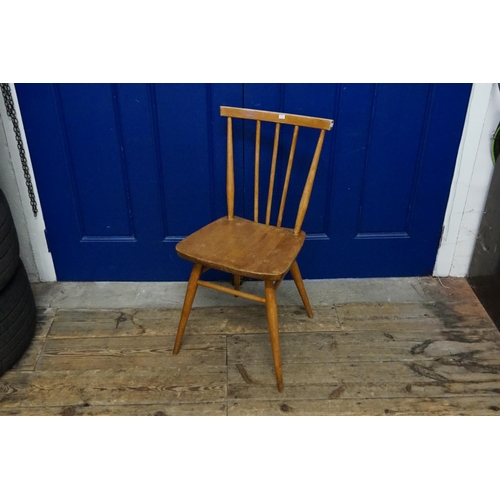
287	175
273	172
306	194
230	170
256	180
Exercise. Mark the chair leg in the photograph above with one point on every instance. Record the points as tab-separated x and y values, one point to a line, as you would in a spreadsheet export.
236	281
301	288
272	319
188	302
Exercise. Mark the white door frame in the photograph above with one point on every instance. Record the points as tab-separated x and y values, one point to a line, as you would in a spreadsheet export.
470	184
36	225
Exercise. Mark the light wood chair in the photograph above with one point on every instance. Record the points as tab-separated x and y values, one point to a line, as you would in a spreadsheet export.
248	248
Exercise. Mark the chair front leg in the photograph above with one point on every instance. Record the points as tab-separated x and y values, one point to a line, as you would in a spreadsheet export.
272	320
188	302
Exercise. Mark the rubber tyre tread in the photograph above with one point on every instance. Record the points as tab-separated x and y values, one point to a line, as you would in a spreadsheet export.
23	338
18	318
9	243
13	298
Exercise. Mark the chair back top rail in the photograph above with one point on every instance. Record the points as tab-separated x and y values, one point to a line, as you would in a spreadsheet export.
270	116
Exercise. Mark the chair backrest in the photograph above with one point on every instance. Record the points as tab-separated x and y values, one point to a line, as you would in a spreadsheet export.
267	116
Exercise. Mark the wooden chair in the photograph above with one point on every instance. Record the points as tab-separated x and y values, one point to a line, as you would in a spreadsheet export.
248	248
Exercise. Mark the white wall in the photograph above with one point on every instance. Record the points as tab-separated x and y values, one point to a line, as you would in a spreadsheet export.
470	183
30	229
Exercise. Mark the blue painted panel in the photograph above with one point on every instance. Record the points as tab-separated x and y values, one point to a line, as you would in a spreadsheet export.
124	171
183	115
351	129
91	123
149	255
377	255
392	157
143	162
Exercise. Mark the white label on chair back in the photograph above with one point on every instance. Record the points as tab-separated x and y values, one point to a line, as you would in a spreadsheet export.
281	117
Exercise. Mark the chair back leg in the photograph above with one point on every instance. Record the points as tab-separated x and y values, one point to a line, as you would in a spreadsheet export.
294	270
272	319
236	281
188	302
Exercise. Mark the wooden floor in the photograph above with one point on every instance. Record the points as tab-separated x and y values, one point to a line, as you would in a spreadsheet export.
440	356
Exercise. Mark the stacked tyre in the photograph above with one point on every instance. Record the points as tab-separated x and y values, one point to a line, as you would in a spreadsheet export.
17	304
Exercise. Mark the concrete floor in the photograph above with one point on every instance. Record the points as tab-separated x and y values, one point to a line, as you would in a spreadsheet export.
118	295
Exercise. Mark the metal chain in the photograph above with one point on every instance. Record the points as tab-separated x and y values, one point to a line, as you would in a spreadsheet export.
11	112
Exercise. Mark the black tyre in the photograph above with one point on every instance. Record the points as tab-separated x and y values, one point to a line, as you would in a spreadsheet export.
9	245
17	318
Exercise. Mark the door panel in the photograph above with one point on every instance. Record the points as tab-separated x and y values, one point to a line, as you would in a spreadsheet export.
375	208
92	136
124	171
391	165
184	146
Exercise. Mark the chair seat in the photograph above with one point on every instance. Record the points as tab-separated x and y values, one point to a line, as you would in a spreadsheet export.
243	247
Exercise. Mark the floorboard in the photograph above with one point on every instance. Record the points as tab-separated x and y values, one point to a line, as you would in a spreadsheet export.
438	355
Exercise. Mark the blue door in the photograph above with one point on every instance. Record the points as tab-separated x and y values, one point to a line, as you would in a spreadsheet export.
125	171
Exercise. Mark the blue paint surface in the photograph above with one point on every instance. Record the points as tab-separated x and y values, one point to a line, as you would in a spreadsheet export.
124	171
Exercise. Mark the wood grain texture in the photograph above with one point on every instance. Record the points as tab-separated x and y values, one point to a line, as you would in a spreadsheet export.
105	323
188	303
386	407
243	247
330	380
30	357
235	292
256	173
272	173
297	278
116	387
270	116
161	410
341	348
412	316
230	171
287	175
131	352
306	193
204	320
236	281
272	321
29	360
446	290
439	357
